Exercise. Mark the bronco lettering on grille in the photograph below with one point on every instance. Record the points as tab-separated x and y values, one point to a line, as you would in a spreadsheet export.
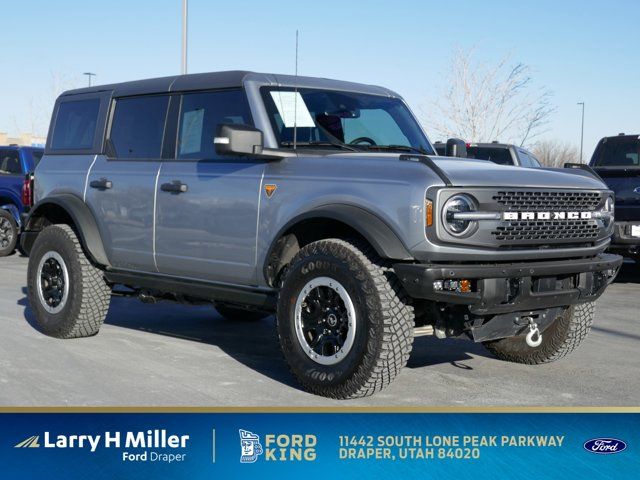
546	215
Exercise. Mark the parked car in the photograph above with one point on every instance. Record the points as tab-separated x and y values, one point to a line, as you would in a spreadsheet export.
617	160
15	163
320	200
501	153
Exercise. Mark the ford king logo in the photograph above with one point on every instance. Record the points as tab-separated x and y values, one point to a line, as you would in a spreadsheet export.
547	215
605	446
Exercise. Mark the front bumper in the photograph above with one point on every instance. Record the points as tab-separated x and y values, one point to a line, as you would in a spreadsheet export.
623	239
513	287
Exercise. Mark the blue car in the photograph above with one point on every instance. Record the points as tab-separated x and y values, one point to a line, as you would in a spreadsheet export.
15	163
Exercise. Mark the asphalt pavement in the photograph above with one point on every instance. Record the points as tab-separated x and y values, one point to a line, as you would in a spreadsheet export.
168	354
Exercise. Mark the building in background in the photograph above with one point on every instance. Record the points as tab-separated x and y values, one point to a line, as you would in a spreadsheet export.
23	139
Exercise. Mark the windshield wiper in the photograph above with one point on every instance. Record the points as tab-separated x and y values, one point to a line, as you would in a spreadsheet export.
402	148
321	144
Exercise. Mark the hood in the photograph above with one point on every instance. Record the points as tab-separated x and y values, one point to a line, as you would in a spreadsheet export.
482	173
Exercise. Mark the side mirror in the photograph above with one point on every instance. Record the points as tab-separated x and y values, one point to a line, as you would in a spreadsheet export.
456	148
237	139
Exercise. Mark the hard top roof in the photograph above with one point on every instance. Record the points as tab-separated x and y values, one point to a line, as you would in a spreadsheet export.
228	79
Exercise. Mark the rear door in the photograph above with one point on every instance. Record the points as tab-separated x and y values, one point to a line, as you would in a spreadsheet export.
121	184
207	205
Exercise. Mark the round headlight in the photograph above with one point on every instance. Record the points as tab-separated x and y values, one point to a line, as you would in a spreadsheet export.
609	205
456	226
608	210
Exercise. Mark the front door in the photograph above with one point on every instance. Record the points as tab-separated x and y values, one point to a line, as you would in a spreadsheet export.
121	186
207	205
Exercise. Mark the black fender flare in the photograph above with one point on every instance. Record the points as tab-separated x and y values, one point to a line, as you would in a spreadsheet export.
85	225
381	236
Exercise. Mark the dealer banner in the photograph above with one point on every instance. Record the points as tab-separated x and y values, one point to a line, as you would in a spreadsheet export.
198	443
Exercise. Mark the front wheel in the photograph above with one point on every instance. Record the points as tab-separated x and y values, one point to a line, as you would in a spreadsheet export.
68	295
8	233
344	322
559	339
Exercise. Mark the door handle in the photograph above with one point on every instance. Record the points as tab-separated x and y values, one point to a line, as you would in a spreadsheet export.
174	187
102	184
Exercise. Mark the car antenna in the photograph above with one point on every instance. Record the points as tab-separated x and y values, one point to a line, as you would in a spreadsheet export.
295	100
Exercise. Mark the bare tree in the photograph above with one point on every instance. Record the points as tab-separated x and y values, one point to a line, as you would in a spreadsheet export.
38	115
483	102
555	153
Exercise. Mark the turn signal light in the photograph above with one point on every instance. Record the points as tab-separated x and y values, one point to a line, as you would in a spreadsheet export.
461	286
428	209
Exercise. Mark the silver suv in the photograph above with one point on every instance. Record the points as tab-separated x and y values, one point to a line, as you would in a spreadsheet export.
319	200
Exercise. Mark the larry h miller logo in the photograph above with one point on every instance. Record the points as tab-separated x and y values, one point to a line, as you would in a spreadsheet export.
250	446
604	446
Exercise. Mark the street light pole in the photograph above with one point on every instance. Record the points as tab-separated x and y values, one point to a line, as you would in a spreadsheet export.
581	131
89	74
184	36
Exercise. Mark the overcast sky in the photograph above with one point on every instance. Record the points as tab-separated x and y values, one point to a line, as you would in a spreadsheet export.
580	50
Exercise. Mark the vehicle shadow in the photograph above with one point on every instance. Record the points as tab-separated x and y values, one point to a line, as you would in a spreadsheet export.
254	344
429	350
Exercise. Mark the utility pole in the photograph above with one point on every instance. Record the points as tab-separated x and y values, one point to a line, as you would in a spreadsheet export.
89	74
581	131
184	36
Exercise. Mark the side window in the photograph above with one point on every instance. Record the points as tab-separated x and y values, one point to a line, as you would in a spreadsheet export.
10	163
137	127
75	124
200	115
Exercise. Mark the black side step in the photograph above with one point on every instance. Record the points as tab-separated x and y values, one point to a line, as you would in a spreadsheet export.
263	298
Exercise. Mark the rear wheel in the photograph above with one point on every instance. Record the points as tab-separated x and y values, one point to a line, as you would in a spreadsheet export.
559	339
344	322
8	233
68	295
239	314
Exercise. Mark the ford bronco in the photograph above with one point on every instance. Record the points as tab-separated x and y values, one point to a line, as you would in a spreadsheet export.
318	200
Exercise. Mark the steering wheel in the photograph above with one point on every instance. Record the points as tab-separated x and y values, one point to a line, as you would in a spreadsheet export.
359	140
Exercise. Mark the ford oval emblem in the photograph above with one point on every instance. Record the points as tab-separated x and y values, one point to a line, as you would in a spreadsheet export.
605	446
636	190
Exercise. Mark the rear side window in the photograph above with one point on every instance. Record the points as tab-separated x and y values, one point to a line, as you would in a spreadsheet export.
200	115
501	156
10	162
75	125
137	127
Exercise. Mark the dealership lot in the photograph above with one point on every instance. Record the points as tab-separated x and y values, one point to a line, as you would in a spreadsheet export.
173	355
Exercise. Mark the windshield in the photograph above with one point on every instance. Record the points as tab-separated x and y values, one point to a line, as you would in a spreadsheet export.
343	120
618	152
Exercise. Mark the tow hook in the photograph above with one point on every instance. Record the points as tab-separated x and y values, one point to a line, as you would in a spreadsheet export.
534	337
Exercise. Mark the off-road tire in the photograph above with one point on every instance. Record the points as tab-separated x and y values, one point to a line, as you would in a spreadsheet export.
88	298
238	314
14	232
384	319
559	339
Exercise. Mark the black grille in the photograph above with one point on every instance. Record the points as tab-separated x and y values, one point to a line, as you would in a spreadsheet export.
516	200
551	231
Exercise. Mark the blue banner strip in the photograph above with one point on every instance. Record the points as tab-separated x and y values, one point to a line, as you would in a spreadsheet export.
289	445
